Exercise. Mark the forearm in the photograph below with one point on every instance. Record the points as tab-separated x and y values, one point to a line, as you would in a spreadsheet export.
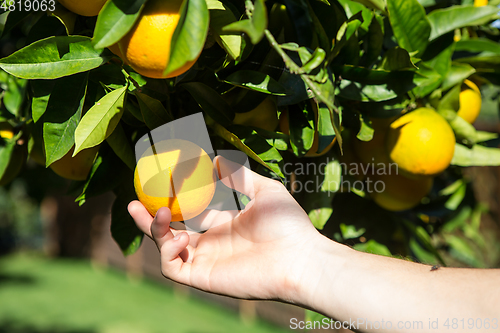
348	285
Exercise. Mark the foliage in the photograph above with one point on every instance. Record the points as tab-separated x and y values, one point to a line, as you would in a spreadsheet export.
355	60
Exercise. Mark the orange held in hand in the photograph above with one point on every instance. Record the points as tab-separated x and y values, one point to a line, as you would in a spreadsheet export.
177	174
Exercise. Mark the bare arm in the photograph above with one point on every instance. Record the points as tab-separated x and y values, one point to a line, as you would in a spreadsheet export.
367	289
270	250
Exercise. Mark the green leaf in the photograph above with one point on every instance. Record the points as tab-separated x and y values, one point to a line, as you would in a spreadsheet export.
351	8
14	96
121	146
325	127
461	250
41	90
475	156
347	30
366	93
255	26
422	255
220	16
424	238
458	73
63	113
396	59
375	4
257	81
427	80
450	101
302	128
189	36
241	145
54	57
448	19
374	41
456	198
333	177
458	220
153	111
350	231
100	121
115	19
374	247
123	227
320	216
478	45
409	24
6	152
211	102
107	173
366	130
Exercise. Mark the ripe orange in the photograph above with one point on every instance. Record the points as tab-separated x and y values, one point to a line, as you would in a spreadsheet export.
264	116
398	192
84	7
177	174
470	102
78	167
146	48
313	151
6	130
421	143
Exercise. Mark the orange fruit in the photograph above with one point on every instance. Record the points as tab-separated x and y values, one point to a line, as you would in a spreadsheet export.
480	3
146	48
421	143
313	151
78	167
177	174
264	116
83	7
6	131
470	102
396	192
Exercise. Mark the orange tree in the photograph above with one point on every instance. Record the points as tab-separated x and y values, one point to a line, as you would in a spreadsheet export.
81	84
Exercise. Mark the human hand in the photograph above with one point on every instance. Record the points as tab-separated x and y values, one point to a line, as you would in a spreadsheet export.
261	253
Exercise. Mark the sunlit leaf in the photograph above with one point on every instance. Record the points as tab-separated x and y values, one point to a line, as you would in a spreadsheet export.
115	19
54	57
100	121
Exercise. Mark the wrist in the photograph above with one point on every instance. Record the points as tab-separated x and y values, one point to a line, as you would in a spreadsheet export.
315	277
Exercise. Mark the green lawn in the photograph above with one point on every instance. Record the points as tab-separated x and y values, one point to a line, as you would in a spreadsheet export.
39	295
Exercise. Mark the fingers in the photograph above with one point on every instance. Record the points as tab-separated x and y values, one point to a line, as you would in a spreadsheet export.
175	258
141	216
144	220
242	179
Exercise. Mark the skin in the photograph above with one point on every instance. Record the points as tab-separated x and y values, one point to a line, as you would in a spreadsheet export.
271	251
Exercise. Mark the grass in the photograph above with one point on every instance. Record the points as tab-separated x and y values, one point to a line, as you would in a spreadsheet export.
40	295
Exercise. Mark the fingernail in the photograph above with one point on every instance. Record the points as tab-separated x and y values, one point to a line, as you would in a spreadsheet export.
177	237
